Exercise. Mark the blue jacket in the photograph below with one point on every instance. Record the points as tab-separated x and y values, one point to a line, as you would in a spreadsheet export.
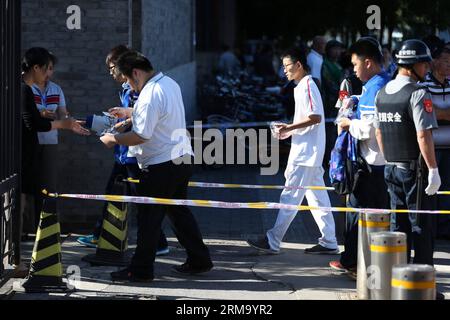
127	98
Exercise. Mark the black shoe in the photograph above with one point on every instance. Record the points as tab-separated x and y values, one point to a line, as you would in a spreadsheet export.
187	269
440	296
127	275
318	249
262	245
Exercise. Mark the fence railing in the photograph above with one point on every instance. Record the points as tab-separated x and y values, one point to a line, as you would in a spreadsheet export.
10	125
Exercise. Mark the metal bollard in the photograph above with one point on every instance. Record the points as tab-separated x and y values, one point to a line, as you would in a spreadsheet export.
387	249
369	222
413	282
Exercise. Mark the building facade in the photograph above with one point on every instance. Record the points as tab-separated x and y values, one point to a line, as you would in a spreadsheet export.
163	30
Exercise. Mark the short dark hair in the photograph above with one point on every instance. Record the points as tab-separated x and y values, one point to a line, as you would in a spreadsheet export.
296	55
35	56
133	60
332	44
115	53
367	48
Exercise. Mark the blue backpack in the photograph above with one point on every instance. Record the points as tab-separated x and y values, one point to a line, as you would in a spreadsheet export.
346	164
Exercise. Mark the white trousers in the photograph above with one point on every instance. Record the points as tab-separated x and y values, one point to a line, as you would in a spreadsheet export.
297	176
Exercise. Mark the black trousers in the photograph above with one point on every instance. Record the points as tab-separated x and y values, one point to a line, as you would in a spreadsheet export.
118	172
123	171
419	228
170	181
443	221
371	192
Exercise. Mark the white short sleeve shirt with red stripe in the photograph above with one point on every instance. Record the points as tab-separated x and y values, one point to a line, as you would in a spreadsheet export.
308	144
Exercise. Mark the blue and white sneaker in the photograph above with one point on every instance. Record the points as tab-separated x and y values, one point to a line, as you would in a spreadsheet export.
88	241
162	252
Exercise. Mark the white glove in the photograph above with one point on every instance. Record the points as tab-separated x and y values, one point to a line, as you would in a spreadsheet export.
434	182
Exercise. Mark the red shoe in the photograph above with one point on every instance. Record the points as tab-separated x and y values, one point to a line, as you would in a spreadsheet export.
337	266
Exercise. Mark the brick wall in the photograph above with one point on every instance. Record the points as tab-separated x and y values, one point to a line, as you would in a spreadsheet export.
84	164
168	40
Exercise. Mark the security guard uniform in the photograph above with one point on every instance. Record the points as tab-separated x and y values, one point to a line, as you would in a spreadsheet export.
403	108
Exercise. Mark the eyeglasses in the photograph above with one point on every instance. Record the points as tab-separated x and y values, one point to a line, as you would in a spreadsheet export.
288	65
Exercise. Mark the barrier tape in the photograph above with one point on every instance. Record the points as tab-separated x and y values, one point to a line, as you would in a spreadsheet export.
230	125
230	205
241	186
252	186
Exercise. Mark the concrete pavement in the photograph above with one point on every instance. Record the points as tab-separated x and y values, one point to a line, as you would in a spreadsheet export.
240	273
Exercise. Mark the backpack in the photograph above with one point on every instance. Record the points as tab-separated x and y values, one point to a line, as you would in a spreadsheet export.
346	164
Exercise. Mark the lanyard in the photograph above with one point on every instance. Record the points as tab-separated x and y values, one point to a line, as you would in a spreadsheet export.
42	96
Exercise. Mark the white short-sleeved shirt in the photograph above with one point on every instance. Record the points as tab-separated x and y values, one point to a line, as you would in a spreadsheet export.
308	144
51	99
159	118
315	62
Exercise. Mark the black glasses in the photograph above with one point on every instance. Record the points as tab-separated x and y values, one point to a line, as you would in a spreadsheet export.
288	65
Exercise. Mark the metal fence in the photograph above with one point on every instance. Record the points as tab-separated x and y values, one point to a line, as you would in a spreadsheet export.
10	124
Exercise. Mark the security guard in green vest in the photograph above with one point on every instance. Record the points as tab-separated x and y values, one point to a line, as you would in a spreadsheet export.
405	120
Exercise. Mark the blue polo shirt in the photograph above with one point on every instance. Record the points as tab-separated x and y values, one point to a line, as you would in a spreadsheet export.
127	99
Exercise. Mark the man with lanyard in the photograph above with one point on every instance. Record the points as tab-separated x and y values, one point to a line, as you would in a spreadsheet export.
165	167
405	120
124	165
371	190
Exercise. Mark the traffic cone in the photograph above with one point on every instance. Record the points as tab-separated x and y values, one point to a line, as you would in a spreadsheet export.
113	241
46	269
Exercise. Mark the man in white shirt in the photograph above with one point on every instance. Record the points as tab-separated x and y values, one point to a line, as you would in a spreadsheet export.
305	162
315	58
158	112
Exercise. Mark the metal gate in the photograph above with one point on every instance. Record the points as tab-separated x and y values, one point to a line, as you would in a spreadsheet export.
10	125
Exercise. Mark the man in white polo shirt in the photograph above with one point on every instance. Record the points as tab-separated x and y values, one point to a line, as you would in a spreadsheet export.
315	58
305	161
158	112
